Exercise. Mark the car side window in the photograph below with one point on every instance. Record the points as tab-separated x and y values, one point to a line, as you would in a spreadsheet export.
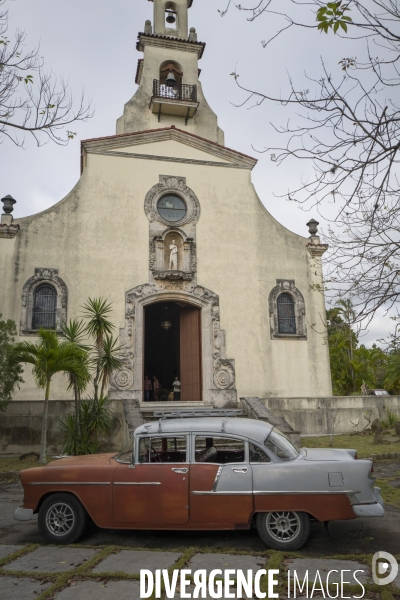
257	455
162	450
219	450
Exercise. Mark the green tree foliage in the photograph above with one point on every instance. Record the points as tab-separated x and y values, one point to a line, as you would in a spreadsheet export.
352	365
92	416
10	369
50	356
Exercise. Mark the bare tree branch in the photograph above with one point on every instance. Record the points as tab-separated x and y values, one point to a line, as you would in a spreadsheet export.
32	101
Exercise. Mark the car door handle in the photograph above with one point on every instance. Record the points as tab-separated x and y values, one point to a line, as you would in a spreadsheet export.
180	470
241	470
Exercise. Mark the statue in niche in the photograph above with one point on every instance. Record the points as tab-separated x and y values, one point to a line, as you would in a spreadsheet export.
173	257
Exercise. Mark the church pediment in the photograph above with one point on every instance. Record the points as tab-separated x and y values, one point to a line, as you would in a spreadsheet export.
170	144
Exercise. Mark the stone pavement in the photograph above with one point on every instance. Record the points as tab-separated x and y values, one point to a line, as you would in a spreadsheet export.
107	573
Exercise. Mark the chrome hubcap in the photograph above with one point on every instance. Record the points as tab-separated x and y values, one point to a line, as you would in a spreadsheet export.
283	526
60	519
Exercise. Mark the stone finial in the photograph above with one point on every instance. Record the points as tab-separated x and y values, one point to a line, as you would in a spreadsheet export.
192	35
313	226
8	204
148	27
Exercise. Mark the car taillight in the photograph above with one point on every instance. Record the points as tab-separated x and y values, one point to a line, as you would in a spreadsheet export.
372	467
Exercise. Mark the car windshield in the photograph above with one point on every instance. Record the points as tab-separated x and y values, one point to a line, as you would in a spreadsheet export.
280	446
126	453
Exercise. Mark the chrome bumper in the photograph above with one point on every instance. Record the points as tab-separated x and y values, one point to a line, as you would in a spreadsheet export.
23	514
371	510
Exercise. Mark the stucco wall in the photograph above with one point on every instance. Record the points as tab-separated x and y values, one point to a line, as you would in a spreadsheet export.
313	415
98	239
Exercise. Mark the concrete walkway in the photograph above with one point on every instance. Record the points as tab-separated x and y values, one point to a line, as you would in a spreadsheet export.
107	573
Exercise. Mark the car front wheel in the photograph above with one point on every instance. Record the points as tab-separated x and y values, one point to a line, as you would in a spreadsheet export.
62	519
283	530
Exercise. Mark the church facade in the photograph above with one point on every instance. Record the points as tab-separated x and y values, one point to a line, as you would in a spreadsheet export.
165	223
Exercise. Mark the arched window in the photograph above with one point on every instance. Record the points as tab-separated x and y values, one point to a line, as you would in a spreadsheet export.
287	311
44	310
286	314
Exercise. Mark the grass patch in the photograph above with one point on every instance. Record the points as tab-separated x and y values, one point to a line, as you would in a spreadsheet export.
364	443
390	494
12	463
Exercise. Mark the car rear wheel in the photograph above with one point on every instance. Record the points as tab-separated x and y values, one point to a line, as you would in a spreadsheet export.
283	530
62	519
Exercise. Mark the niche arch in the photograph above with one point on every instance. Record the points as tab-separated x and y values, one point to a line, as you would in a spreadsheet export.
41	277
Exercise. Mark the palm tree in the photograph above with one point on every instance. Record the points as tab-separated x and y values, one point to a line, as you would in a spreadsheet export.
48	357
98	327
111	360
74	332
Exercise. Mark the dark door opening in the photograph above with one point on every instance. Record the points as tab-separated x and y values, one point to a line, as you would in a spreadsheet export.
175	350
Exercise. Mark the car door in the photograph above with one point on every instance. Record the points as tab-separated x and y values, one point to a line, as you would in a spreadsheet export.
220	485
156	488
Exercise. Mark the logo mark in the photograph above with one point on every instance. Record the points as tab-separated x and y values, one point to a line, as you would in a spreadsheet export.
381	563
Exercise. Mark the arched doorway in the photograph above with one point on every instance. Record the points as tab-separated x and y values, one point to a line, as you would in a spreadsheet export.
172	347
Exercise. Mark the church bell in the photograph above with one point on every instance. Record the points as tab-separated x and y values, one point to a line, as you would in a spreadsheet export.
171	17
171	80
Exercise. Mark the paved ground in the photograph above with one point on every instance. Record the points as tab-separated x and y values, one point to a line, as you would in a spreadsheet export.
70	573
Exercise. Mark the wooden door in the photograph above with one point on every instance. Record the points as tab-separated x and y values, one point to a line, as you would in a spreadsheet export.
190	375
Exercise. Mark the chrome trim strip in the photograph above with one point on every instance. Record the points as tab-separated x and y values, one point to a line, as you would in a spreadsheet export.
216	480
137	483
70	483
222	493
296	492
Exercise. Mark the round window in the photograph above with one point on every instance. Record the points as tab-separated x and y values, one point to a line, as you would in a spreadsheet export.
171	208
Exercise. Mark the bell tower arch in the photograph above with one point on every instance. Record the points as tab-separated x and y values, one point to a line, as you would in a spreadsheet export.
171	17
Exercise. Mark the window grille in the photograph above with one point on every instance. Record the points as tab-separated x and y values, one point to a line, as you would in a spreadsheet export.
286	314
44	307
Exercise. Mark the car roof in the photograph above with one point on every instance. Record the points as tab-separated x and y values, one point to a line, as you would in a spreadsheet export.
251	428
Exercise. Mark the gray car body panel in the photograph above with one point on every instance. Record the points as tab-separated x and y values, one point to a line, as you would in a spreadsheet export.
313	471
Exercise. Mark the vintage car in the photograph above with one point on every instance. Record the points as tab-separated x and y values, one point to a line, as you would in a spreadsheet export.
202	473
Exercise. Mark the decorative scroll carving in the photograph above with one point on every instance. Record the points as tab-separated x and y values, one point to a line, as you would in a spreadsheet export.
287	286
152	255
193	258
123	379
224	373
173	185
43	275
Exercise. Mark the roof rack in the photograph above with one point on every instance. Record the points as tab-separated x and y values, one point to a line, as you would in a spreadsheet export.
200	412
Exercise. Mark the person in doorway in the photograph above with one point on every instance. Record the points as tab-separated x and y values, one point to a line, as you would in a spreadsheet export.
156	389
147	388
177	389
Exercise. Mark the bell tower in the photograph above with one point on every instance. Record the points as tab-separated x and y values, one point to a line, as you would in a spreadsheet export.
171	18
169	91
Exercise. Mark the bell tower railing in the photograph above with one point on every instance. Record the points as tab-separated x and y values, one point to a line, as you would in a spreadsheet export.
181	91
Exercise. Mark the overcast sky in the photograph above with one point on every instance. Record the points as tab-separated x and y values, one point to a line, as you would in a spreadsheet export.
92	43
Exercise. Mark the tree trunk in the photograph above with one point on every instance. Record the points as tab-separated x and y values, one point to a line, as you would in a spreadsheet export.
43	441
77	406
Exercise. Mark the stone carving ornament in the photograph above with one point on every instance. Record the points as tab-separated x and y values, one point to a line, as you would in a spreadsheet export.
43	275
288	286
172	185
223	369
